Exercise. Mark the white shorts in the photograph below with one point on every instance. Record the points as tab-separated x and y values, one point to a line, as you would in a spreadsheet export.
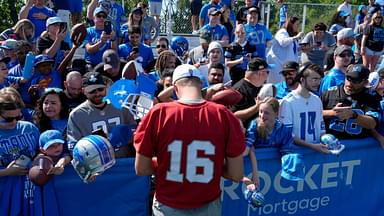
370	52
155	8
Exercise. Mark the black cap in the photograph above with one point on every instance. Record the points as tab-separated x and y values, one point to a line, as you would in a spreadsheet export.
290	65
358	71
137	10
257	64
93	80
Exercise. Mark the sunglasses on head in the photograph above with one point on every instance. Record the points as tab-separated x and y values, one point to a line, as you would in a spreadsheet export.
162	46
355	80
98	90
56	90
11	119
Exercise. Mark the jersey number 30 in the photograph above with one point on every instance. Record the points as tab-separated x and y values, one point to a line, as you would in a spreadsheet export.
192	162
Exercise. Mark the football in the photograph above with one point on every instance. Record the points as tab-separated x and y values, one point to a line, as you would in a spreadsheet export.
227	97
40	167
79	32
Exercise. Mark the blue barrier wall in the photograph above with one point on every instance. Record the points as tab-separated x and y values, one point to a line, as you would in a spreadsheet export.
349	184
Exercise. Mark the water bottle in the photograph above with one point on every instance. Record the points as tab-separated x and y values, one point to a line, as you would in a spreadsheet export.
28	66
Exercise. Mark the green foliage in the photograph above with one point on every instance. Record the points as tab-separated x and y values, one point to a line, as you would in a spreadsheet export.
9	12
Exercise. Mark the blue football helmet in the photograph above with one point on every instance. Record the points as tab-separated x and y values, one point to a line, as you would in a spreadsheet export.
333	144
106	5
179	45
136	96
92	155
254	197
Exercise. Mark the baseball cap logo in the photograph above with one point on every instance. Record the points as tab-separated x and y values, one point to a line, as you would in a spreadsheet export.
92	78
190	72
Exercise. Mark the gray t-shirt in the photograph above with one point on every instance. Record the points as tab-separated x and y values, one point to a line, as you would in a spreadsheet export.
317	54
86	118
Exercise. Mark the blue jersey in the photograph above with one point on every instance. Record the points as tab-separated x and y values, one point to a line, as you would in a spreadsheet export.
40	25
283	12
60	125
217	31
116	15
282	90
334	77
76	6
53	79
204	11
144	50
93	36
258	35
281	137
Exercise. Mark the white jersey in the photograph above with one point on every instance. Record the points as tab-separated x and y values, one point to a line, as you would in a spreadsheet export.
304	115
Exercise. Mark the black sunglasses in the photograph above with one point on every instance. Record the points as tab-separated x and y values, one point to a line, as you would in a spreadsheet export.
343	55
98	89
355	80
101	16
162	46
11	119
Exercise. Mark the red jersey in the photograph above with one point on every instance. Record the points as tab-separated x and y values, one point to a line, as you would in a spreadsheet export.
190	143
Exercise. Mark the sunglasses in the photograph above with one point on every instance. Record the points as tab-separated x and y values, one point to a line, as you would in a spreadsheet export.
98	90
343	55
11	119
56	90
355	80
162	46
101	16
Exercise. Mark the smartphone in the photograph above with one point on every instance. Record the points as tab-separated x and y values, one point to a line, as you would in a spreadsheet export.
135	49
108	27
63	27
22	161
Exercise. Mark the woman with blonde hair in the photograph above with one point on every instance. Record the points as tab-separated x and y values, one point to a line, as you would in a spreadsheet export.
22	30
372	43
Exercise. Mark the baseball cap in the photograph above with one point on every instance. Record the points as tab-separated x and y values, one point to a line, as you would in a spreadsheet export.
290	65
257	64
111	59
214	12
253	9
99	10
49	137
345	33
137	10
343	14
185	71
214	45
53	20
361	7
92	81
341	49
3	58
42	58
9	44
205	36
358	71
293	167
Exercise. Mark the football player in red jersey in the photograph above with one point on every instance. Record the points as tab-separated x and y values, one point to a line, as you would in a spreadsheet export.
195	143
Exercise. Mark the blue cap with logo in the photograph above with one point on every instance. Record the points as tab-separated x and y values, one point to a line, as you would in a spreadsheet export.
49	137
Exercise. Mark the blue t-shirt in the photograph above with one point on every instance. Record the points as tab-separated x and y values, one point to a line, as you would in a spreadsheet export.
40	25
60	125
282	90
217	31
93	36
204	11
144	50
281	137
62	4
76	6
334	77
258	35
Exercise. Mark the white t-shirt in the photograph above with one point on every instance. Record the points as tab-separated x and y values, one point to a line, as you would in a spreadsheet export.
304	115
348	9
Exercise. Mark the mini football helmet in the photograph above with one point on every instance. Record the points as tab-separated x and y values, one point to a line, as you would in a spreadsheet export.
333	144
179	45
254	197
92	155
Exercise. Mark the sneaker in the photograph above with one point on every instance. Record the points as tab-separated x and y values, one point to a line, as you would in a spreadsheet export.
195	32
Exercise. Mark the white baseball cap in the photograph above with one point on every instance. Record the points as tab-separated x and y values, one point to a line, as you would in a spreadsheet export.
185	71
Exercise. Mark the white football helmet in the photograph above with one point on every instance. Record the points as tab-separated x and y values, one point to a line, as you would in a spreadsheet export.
92	155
